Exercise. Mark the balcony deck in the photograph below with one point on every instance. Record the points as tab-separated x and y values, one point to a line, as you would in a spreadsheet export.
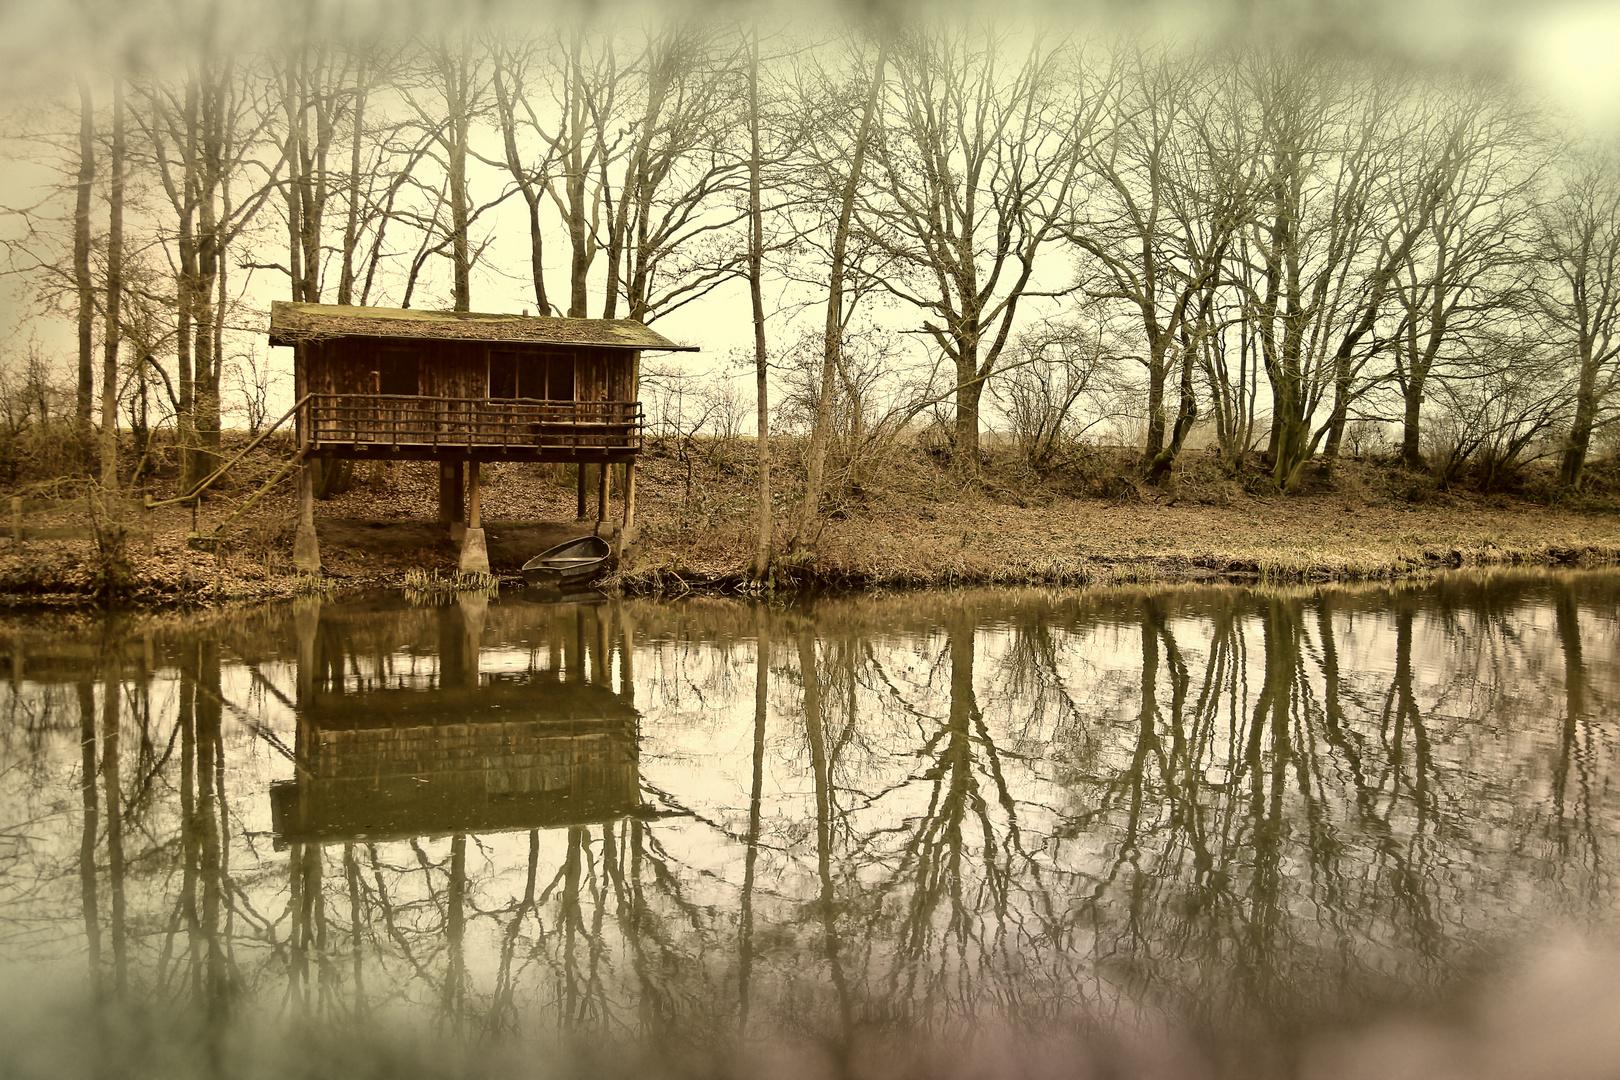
490	429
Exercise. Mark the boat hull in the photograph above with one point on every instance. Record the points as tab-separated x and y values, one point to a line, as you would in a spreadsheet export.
569	567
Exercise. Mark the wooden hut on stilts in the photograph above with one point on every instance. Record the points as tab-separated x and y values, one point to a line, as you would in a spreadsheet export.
461	389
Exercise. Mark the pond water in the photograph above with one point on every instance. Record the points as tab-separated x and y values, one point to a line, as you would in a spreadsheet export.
1185	832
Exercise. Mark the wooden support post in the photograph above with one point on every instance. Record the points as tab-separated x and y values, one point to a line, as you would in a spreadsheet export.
581	514
603	490
629	532
474	611
452	501
447	510
474	552
306	548
627	648
601	666
306	631
16	522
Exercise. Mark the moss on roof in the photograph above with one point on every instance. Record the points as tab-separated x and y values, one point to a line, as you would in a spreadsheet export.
291	323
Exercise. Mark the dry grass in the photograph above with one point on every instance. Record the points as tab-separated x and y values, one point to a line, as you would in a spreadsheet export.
1097	523
1090	521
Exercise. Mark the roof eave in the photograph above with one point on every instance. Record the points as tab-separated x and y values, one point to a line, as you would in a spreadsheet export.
288	340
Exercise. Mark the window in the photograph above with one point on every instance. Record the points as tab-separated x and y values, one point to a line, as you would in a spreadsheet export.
548	376
503	374
397	372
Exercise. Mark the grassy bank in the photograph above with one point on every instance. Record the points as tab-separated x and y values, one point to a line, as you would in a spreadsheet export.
910	524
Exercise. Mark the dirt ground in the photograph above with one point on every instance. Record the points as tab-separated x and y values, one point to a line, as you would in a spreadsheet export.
918	525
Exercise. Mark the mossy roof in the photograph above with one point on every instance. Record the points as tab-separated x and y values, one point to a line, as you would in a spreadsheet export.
291	323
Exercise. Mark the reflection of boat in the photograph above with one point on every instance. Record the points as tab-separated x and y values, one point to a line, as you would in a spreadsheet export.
568	566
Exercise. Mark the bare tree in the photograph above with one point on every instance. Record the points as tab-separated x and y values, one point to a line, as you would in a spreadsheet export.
974	165
1318	265
668	243
1055	369
1212	175
584	146
1122	222
634	152
1578	244
1493	419
449	98
832	336
202	134
513	60
1466	274
322	82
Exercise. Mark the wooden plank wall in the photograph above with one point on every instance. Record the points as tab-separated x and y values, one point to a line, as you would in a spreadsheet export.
453	369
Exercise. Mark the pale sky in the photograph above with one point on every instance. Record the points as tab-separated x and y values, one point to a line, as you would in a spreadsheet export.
1565	54
1572	53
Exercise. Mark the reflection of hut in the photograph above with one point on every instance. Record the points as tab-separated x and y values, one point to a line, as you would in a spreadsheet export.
462	388
518	754
401	734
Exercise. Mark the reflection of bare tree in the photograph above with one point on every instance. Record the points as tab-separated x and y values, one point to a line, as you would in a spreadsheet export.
756	792
87	842
1574	827
827	902
112	793
953	874
455	978
1228	811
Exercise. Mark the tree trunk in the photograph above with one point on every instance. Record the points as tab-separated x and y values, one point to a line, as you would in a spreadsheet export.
1156	425
1580	432
351	225
81	254
205	363
1340	415
1186	413
457	93
579	242
965	439
1411	449
756	251
537	265
115	284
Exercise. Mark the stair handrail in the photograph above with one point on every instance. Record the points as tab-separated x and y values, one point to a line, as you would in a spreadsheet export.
203	485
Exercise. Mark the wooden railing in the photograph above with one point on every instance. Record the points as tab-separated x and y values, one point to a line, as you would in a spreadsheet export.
388	420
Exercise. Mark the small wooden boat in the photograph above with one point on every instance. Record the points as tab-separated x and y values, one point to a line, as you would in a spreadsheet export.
569	566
